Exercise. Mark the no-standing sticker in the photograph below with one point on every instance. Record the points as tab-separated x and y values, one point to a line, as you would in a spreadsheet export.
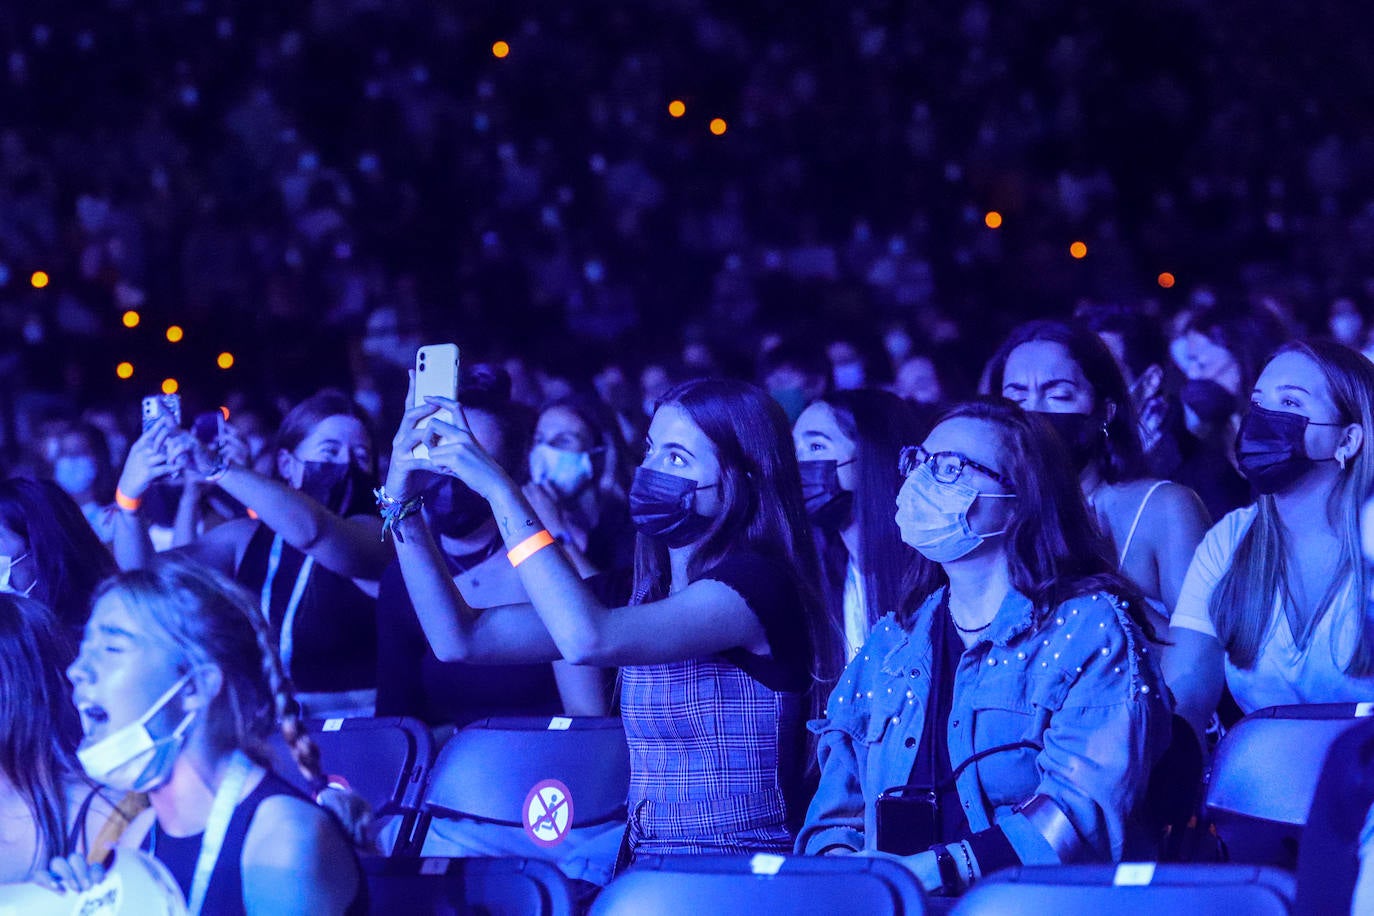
548	813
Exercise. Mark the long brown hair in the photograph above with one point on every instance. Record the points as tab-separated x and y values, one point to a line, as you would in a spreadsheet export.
1054	550
1242	605
39	730
761	506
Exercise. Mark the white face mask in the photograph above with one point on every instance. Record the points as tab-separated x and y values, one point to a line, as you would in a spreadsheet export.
130	759
566	471
6	570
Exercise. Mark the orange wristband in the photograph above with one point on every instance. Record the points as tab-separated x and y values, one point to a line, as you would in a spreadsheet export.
529	547
127	503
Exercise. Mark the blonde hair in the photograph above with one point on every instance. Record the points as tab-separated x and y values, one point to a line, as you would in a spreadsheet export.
1243	602
211	620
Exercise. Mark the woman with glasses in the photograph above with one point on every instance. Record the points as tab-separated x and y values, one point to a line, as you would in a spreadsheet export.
1275	602
1012	715
1066	374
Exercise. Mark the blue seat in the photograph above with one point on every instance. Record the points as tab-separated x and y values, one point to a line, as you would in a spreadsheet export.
1131	889
482	786
775	885
386	761
492	887
1264	775
486	770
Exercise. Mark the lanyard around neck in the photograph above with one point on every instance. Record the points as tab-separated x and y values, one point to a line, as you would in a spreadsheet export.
217	827
288	620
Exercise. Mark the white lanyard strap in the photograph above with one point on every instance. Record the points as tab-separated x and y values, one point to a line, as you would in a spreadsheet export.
217	826
286	647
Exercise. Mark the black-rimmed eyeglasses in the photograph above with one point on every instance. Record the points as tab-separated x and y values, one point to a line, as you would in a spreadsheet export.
947	467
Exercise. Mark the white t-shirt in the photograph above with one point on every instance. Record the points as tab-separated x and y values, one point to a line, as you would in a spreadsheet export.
1283	674
855	611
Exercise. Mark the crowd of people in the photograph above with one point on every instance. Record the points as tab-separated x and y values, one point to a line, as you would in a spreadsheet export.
987	630
754	444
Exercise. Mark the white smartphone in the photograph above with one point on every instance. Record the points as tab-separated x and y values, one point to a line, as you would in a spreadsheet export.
436	375
155	405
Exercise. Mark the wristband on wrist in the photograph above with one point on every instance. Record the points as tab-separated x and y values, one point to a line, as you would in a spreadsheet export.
949	870
395	510
219	470
529	547
125	502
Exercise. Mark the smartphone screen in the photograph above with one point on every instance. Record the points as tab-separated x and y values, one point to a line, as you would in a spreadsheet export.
436	375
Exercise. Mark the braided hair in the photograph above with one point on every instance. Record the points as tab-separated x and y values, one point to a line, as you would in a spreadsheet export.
213	621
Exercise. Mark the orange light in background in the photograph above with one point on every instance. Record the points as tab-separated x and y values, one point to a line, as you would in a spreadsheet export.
131	319
125	370
39	279
1078	251
225	361
718	126
224	411
677	108
169	386
1167	280
175	333
500	50
993	220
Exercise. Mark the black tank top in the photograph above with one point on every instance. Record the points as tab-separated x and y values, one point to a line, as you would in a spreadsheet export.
224	896
334	636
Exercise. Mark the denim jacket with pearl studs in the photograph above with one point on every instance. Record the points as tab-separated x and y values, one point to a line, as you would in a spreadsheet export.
1080	683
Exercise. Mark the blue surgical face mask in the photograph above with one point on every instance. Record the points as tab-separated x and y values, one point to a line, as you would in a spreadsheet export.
130	759
933	516
75	474
566	471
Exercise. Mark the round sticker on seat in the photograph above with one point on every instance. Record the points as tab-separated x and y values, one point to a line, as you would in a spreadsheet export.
548	813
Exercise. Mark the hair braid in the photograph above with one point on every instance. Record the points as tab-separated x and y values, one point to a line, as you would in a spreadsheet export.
350	808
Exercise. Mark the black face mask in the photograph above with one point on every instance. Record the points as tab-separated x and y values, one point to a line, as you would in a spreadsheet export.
1212	403
454	509
829	507
661	506
338	486
1271	448
1081	433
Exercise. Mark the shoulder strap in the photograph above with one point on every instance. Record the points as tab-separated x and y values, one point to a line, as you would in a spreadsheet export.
1135	523
127	808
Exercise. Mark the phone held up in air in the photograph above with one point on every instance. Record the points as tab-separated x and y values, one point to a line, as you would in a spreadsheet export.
158	405
436	376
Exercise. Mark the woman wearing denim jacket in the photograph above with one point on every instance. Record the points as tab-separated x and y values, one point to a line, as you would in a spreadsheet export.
1048	709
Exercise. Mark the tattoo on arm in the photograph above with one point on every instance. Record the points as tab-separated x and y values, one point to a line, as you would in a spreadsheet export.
512	526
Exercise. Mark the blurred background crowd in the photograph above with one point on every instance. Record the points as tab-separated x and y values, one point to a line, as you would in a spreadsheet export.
314	189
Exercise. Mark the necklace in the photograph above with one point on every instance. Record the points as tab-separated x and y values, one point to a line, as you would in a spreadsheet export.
966	630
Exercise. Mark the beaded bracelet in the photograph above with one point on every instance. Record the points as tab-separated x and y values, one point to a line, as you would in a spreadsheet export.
968	862
394	511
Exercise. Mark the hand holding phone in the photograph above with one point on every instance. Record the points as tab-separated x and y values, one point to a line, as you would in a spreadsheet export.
436	375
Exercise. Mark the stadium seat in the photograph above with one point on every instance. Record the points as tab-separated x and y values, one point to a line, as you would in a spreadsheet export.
483	785
386	761
1264	774
492	887
1131	889
776	885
